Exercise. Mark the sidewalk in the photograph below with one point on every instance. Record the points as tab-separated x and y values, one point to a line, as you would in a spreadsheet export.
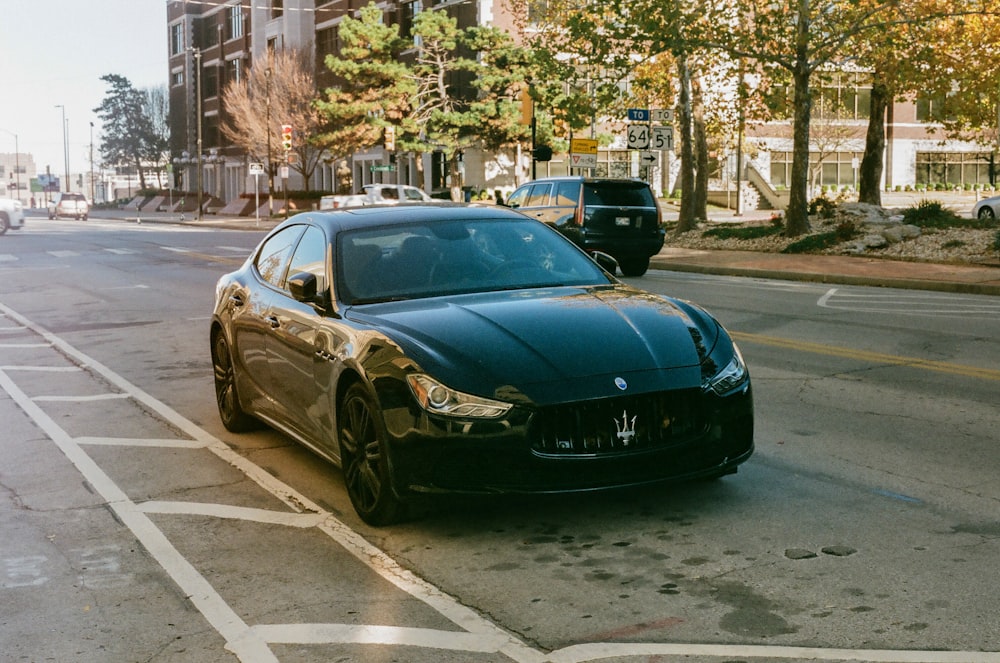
846	270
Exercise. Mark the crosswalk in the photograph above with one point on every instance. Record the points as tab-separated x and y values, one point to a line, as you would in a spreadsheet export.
225	252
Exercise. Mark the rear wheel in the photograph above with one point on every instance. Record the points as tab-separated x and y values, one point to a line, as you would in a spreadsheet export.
233	416
986	213
4	223
634	265
364	460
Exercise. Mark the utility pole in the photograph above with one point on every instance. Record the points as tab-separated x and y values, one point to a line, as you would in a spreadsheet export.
65	128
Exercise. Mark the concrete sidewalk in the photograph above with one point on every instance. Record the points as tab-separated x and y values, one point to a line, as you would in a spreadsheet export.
848	270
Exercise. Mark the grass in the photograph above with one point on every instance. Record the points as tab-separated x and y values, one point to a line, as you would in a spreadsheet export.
742	232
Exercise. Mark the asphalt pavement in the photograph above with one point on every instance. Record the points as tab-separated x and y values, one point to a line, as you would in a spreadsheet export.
847	270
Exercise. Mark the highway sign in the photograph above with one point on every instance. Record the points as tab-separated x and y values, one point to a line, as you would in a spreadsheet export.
647	158
663	138
638	136
638	115
661	115
256	169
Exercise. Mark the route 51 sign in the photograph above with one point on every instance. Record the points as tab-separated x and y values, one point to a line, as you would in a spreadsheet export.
638	136
663	138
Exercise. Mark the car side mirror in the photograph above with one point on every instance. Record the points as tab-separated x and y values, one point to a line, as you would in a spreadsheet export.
303	288
606	261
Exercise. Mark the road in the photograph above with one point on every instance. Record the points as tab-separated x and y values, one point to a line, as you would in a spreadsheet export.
136	529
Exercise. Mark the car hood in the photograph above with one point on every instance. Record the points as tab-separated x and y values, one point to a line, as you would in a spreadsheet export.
550	344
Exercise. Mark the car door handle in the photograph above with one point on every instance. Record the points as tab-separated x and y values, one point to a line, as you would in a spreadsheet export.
236	300
273	321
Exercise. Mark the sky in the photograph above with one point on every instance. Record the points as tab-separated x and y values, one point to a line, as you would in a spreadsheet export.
54	52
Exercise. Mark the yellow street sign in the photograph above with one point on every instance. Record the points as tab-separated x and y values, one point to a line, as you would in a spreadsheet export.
583	146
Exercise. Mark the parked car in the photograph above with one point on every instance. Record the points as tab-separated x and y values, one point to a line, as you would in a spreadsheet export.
987	209
64	204
327	203
11	214
617	216
395	193
448	348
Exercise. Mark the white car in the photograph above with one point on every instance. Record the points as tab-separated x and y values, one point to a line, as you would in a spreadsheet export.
387	194
73	205
11	214
987	209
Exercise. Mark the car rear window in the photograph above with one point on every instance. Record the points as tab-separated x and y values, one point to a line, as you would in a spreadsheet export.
618	194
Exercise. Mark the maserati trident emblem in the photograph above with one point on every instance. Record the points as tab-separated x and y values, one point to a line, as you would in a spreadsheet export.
626	428
621	384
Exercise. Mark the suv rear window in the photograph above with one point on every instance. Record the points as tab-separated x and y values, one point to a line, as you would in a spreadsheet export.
618	194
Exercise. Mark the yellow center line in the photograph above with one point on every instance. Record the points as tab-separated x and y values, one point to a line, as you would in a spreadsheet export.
873	357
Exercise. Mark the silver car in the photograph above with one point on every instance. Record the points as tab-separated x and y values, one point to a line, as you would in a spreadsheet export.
987	209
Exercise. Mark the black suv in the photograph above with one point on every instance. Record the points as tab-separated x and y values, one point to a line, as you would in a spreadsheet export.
618	217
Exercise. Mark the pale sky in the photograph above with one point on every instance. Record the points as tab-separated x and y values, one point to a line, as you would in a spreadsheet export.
54	52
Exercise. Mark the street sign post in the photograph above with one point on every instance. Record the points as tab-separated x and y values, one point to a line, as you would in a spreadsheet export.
583	153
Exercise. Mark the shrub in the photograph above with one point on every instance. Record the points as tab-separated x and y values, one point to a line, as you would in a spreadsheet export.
824	207
996	242
932	214
813	243
845	230
742	232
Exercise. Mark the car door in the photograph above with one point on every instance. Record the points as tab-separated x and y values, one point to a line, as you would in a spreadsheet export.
253	317
293	346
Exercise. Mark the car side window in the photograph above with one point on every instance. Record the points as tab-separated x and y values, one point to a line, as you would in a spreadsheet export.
274	254
567	194
310	257
518	198
412	194
539	196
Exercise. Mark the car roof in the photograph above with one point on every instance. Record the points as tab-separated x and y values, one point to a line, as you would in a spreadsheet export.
350	218
581	178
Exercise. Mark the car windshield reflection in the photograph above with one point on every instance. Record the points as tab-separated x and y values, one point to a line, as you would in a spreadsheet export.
433	259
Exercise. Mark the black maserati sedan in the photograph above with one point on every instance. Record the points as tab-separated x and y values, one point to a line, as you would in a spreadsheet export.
448	348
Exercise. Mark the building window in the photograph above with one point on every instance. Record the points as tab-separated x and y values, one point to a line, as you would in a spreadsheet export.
952	168
176	38
209	82
407	13
277	8
843	96
177	78
831	170
326	44
234	22
234	70
932	109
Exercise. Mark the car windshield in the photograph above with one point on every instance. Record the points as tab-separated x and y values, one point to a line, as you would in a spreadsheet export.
420	260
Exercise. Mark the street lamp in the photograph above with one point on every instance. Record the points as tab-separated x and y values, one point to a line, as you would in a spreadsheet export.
17	163
197	64
65	143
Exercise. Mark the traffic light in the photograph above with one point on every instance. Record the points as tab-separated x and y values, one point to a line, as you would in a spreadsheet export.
286	137
542	153
390	138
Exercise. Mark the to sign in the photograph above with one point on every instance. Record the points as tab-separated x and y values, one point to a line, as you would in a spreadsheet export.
638	115
638	136
661	115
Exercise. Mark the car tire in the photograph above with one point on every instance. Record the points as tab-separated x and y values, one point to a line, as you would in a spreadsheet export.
633	266
234	417
986	213
4	223
364	460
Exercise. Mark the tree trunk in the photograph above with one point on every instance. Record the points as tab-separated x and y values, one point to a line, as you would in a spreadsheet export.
870	175
797	214
686	220
142	175
700	193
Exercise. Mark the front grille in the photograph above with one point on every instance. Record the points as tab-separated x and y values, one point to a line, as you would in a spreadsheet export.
618	425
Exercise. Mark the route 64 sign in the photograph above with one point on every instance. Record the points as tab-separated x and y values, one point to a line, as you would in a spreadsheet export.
638	136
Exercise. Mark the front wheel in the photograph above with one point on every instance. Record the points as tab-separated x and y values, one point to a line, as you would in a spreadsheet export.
4	223
364	459
986	213
233	416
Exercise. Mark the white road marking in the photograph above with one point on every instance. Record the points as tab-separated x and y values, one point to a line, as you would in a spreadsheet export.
250	643
909	303
63	254
6	257
121	252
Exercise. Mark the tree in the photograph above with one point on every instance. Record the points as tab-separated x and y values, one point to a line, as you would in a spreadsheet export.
156	107
419	95
280	91
374	86
129	136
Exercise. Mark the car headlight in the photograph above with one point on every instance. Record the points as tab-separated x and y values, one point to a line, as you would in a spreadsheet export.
439	399
729	378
